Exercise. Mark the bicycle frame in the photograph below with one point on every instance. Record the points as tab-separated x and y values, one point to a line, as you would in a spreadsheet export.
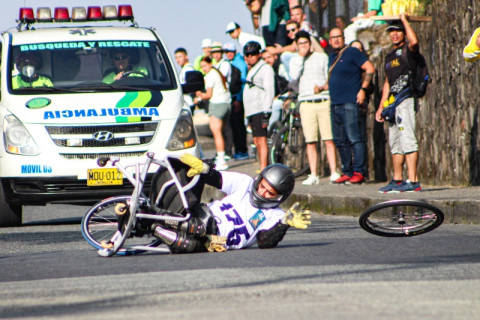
137	179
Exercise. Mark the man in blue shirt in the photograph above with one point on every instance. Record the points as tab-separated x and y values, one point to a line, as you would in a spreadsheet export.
347	92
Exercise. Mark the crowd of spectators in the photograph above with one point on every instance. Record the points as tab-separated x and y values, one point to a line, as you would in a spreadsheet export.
331	79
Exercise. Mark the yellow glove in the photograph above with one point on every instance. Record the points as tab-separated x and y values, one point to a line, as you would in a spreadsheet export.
297	218
215	243
197	166
389	101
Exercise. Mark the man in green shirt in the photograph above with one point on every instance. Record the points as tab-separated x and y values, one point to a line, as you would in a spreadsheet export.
121	59
28	64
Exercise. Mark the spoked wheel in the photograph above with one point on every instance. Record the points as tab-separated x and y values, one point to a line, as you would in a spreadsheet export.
277	153
101	224
296	154
401	218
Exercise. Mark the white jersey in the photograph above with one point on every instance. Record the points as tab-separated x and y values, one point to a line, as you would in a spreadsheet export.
237	219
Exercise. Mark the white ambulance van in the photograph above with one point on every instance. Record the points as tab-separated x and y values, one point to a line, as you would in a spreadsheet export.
76	86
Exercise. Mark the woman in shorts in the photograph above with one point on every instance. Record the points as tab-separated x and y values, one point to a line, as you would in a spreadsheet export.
218	95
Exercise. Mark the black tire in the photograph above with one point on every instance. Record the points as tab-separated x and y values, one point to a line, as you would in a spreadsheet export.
10	215
277	154
296	154
100	224
401	218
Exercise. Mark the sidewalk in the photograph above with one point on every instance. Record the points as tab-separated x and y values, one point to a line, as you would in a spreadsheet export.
460	204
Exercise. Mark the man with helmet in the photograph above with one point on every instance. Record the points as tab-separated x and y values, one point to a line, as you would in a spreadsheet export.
248	214
28	64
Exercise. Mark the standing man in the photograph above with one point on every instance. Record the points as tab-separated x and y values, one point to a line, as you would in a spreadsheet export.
347	92
258	96
237	113
401	133
181	57
311	70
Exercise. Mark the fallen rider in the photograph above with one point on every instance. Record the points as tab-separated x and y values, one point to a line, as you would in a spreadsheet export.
248	214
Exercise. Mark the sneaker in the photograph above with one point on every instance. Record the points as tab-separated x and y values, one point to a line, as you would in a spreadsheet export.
221	166
388	188
241	156
311	180
226	157
343	178
357	178
334	176
407	186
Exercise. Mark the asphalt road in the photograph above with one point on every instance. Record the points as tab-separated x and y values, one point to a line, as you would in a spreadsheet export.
333	270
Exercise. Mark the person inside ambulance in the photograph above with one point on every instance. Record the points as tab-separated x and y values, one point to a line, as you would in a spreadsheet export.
28	64
122	60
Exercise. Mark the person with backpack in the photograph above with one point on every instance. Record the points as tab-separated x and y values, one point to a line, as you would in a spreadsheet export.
237	113
398	89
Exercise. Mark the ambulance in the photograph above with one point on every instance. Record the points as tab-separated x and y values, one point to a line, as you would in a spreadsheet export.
77	85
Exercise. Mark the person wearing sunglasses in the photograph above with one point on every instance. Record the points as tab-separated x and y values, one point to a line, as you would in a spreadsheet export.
122	63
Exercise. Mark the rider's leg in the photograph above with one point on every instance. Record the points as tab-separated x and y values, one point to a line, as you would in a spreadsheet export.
178	241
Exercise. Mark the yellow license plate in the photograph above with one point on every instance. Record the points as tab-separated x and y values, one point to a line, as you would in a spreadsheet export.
104	177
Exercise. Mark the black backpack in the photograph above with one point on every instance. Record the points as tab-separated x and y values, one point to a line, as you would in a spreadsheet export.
235	80
418	73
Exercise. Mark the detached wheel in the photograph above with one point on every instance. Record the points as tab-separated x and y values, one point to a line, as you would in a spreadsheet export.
10	215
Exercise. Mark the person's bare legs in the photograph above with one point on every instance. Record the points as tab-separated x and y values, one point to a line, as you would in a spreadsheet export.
262	150
398	160
331	155
312	156
412	161
216	128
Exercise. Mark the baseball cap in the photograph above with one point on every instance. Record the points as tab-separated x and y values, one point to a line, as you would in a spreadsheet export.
229	46
206	43
231	26
216	46
396	25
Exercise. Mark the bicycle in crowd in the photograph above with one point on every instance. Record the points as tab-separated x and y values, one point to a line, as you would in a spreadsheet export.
124	224
286	142
401	218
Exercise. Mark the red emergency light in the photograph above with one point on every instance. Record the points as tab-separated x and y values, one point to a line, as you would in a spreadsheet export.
94	13
26	15
125	12
61	15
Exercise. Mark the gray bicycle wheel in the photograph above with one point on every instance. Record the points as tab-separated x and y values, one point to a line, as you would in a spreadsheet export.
401	218
100	223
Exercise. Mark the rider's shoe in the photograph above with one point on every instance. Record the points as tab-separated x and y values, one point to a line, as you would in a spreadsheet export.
343	178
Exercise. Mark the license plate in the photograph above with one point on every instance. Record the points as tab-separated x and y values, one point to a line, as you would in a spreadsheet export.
104	177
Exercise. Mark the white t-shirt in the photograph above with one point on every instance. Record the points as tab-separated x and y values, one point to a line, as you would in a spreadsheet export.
258	98
219	93
237	219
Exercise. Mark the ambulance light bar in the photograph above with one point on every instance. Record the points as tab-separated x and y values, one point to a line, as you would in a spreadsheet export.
92	13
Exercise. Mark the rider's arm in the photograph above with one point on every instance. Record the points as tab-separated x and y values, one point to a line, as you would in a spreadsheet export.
212	177
271	237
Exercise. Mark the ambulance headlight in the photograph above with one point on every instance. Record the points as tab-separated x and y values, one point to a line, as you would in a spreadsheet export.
183	135
17	139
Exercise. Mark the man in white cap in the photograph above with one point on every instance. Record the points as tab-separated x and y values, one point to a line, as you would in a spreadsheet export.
235	31
207	51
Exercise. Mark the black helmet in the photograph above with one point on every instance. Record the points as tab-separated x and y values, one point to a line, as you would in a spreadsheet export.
281	178
252	47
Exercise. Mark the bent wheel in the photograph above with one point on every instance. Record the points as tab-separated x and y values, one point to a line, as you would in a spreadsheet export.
401	218
100	224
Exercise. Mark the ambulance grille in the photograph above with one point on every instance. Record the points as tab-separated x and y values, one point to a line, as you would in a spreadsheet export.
102	136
